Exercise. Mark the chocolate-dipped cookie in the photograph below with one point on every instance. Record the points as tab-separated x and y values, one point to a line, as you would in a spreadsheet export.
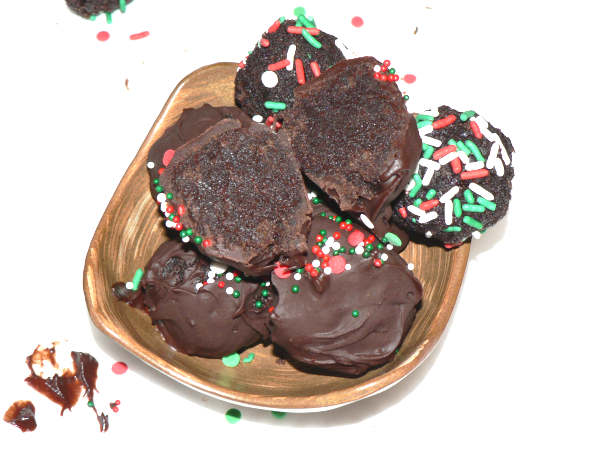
196	304
290	53
348	309
192	122
462	184
237	193
353	137
92	8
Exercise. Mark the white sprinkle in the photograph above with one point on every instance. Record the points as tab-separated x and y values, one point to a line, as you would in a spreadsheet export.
426	218
475	165
415	210
476	235
229	276
425	130
316	263
448	209
269	79
449	157
499	167
327	270
335	246
481	122
389	247
169	224
257	118
410	266
347	267
311	195
326	249
376	67
411	184
359	249
268	283
330	240
150	165
384	257
428	177
491	160
463	157
481	191
290	57
129	285
431	141
161	197
428	234
185	239
163	207
218	268
210	280
297	277
429	164
211	274
229	290
349	54
198	286
364	219
449	195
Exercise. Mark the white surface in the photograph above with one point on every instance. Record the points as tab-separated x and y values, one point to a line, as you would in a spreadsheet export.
518	365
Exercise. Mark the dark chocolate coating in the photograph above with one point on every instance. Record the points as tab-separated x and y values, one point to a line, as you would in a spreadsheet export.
316	326
200	320
192	122
353	136
87	8
251	94
243	193
445	179
22	415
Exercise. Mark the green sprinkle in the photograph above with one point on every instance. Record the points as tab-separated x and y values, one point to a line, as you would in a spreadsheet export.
295	288
91	404
352	251
471	146
304	21
473	208
323	232
122	5
348	221
380	246
169	196
393	239
338	219
258	304
301	270
281	19
457	207
451	142
231	360
406	97
92	18
392	71
108	18
310	39
171	216
430	194
342	249
427	151
159	188
323	214
182	234
321	244
355	313
299	11
472	222
489	205
316	200
275	105
467	115
265	293
189	232
423	123
369	247
197	239
233	415
263	283
156	181
249	358
425	117
469	196
418	202
413	220
463	147
366	254
451	229
418	184
236	294
238	279
278	414
137	277
336	252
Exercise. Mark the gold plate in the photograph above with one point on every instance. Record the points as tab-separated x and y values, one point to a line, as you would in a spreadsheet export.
130	231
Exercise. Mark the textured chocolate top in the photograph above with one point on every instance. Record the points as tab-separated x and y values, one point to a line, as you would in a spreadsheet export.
244	200
87	8
353	136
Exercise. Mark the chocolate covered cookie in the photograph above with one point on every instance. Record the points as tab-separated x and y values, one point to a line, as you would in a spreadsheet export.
463	180
238	194
91	8
290	53
353	137
349	308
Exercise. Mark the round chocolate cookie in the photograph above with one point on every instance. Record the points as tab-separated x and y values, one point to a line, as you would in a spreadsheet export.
238	194
196	304
92	8
348	309
353	137
192	122
462	182
289	54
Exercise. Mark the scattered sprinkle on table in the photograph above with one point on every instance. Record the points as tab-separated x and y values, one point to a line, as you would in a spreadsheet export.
278	414
119	368
231	360
233	415
357	21
136	36
409	78
249	358
103	36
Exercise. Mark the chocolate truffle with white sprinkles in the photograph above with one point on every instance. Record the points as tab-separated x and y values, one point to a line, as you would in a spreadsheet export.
463	180
290	53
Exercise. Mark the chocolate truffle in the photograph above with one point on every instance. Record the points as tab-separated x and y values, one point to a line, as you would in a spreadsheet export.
196	304
349	308
462	183
353	137
237	193
89	8
283	59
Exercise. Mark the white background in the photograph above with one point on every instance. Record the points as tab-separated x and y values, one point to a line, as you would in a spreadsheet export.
518	364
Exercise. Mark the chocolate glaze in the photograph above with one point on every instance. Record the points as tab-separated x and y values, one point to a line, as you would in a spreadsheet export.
354	137
22	415
316	327
87	8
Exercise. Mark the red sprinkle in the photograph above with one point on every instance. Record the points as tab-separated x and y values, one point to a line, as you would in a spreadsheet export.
314	273
277	125
481	173
409	78
221	284
168	156
206	243
161	170
282	271
298	30
273	28
343	225
308	267
349	227
326	258
119	368
456	165
355	237
300	71
370	239
319	238
170	209
337	235
179	226
241	64
320	254
475	129
315	249
316	70
387	63
442	123
278	65
337	264
103	36
136	36
403	212
176	219
269	121
181	210
429	204
377	262
115	409
264	42
357	21
438	154
271	309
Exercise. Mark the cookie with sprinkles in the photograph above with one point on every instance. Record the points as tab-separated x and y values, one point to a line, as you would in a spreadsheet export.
92	8
192	122
462	184
195	303
353	136
290	53
348	309
238	194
